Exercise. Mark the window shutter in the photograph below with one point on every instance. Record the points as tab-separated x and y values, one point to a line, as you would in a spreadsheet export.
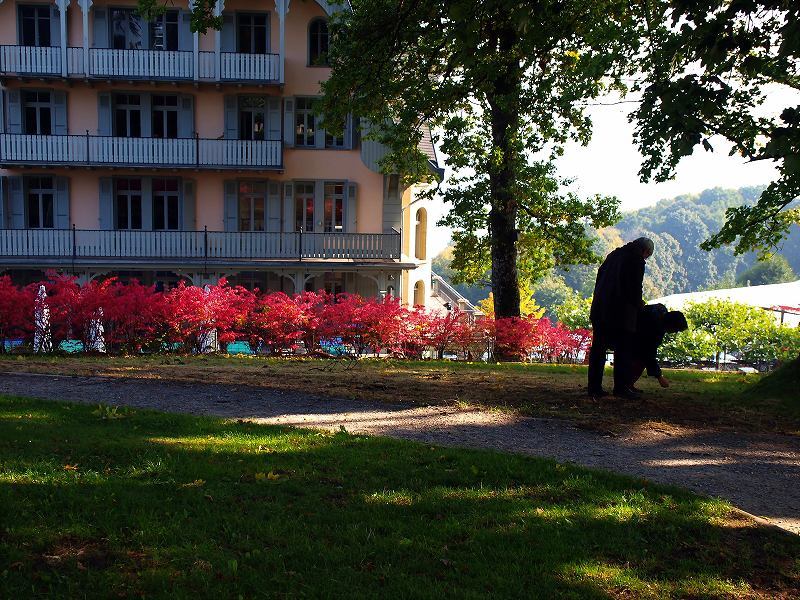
348	132
62	202
185	39
319	206
189	206
231	118
288	122
228	37
144	28
106	203
2	111
16	203
231	206
55	27
273	206
288	206
146	114
351	208
14	111
273	118
3	202
186	116
104	113
319	132
59	112
100	28
147	204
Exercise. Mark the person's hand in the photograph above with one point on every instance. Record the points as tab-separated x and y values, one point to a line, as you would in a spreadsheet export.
663	382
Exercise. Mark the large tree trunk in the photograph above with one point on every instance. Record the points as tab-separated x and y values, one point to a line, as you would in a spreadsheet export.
505	119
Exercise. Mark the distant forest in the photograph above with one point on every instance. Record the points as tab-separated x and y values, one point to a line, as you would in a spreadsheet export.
677	226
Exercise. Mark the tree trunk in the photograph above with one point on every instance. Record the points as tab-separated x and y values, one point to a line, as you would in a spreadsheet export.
505	119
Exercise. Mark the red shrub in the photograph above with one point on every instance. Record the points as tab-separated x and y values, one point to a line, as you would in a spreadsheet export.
16	311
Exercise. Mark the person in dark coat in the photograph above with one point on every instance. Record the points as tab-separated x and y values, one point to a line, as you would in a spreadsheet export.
616	304
655	322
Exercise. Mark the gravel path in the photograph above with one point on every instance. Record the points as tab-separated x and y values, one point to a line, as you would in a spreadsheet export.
757	473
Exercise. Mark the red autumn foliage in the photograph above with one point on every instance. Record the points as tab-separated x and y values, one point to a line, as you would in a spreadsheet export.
16	311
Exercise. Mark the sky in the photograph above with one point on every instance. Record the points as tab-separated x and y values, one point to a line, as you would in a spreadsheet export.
610	163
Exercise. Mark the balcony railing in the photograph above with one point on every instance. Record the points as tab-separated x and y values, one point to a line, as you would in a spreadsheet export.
26	246
18	148
111	63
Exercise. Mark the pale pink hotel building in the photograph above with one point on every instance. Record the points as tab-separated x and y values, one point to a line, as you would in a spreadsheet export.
139	149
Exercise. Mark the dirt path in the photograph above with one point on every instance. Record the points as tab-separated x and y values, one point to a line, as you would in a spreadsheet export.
757	473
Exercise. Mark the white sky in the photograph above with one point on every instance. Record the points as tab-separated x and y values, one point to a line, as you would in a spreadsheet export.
610	163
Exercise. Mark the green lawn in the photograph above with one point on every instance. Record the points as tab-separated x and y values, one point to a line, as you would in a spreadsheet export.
700	398
100	502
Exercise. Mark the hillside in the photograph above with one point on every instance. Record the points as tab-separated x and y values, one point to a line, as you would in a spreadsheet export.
677	226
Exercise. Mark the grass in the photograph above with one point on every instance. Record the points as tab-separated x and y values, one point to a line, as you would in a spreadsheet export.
105	502
696	397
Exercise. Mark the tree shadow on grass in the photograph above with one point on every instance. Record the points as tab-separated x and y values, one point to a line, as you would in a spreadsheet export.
176	506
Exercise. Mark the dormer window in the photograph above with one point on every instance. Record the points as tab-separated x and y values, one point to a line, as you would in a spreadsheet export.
318	43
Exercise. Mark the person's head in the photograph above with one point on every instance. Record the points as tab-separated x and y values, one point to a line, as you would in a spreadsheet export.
645	245
675	321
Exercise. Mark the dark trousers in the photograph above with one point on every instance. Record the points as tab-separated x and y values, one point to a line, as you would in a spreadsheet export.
603	340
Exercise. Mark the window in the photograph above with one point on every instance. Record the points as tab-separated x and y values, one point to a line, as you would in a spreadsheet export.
318	42
421	234
252	205
304	122
252	33
166	213
252	111
333	204
34	24
126	29
304	207
41	202
164	31
127	115
165	116
38	113
128	203
334	283
332	141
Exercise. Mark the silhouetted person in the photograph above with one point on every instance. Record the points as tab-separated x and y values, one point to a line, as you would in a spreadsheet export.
615	309
654	323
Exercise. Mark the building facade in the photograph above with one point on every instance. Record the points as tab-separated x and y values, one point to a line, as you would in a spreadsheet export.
141	149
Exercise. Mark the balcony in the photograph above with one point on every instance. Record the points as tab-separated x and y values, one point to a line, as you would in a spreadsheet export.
53	247
150	65
89	150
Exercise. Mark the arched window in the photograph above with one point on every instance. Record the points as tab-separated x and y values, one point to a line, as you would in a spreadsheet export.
421	235
318	42
419	293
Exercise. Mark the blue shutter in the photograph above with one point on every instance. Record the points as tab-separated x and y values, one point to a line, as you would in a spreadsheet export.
231	118
62	202
186	116
319	132
144	30
288	206
59	112
106	197
189	222
228	36
273	118
55	27
348	132
100	28
147	204
273	206
231	206
16	203
14	111
2	111
146	114
288	122
104	113
350	208
185	38
3	202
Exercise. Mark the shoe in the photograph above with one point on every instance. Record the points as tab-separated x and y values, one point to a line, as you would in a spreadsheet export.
626	394
597	394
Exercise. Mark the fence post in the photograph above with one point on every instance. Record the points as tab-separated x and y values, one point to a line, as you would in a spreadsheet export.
74	249
87	148
300	246
196	149
205	250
